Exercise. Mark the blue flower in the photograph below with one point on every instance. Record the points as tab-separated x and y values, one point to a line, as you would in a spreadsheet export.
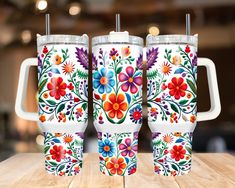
103	80
106	148
136	114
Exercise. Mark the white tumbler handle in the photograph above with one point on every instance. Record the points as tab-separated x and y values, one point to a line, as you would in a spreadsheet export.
21	91
213	90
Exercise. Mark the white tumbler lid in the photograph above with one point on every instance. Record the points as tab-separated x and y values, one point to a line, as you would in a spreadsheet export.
172	39
63	39
117	38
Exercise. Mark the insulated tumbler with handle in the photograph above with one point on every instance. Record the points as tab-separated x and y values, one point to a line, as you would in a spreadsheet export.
172	99
117	100
62	65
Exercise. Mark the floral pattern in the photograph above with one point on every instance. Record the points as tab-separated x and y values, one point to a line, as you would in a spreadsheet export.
172	153
62	83
117	84
118	153
63	153
171	91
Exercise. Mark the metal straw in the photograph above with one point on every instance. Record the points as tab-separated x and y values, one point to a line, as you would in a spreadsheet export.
47	19
118	26
187	24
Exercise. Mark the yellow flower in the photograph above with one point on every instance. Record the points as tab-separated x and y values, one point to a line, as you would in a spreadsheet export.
176	60
126	51
177	134
57	59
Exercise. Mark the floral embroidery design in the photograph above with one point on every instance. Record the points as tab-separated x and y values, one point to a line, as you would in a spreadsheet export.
172	153
117	84
171	91
62	84
63	153
118	153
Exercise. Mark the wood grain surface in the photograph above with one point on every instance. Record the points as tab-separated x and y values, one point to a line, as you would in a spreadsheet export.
208	170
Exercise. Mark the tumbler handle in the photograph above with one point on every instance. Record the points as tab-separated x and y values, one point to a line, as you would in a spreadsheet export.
21	91
213	91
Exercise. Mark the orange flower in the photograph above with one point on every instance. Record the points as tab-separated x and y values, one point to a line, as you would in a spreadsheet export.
42	118
166	68
176	60
126	51
187	157
167	138
45	95
116	106
189	95
57	59
68	68
193	118
177	134
104	97
116	165
173	173
68	138
58	134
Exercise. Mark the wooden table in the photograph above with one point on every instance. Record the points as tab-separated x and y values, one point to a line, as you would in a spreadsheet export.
208	170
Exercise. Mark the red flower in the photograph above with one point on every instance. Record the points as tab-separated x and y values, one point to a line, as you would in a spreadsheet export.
177	152
187	49
116	165
70	86
45	50
177	87
164	86
116	106
76	99
97	96
57	87
158	99
57	153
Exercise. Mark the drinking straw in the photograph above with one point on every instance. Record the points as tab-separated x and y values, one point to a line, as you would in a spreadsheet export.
118	26
47	19
187	24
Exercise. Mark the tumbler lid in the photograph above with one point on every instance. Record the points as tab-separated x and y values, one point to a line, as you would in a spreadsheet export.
63	39
172	39
117	38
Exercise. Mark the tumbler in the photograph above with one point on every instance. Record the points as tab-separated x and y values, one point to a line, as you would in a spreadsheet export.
62	67
117	100
172	99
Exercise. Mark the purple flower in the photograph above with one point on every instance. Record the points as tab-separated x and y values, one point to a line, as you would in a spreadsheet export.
39	61
194	61
155	135
113	53
130	80
139	62
80	134
128	148
94	62
82	57
152	56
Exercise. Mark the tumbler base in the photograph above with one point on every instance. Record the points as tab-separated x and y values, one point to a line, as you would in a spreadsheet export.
117	153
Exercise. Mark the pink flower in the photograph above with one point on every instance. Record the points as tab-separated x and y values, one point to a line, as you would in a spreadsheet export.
128	148
130	80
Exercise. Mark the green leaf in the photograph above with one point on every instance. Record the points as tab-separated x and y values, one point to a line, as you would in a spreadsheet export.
119	70
63	51
182	162
182	102
149	105
119	141
84	106
51	102
174	167
82	75
46	149
40	100
157	143
188	149
61	167
42	84
60	108
193	100
192	86
174	107
52	163
152	75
